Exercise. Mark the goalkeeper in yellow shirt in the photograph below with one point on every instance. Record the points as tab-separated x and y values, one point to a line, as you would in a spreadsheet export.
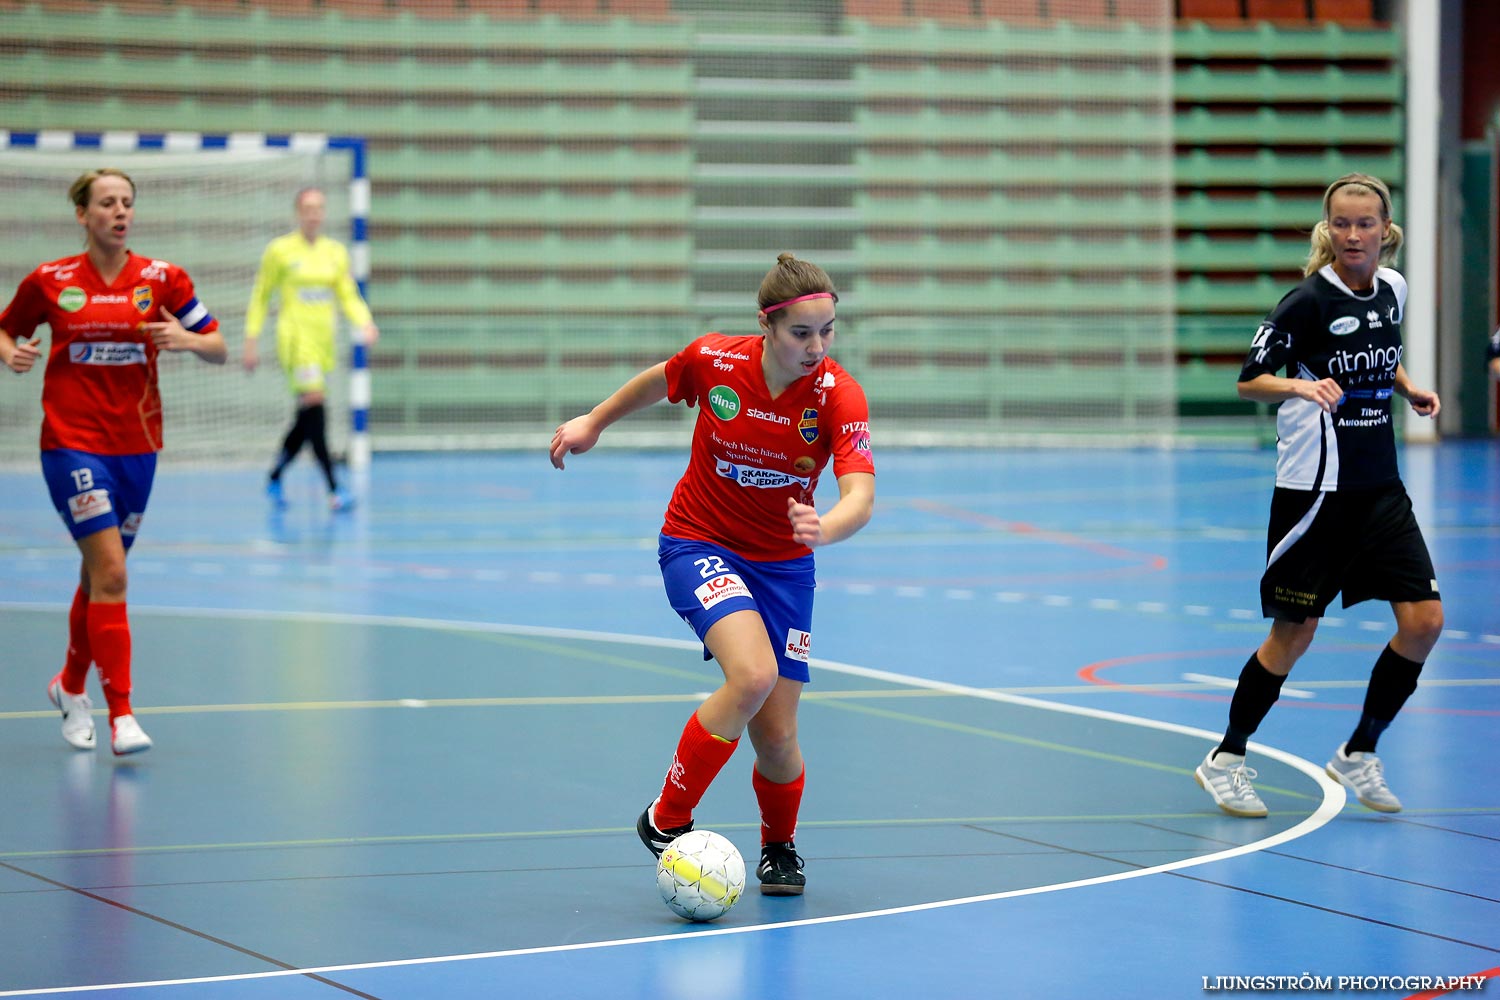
309	274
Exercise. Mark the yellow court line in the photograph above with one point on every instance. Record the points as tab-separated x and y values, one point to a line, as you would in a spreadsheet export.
497	835
825	824
539	701
995	734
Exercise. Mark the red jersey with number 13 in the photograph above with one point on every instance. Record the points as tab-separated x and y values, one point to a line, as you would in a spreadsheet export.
751	452
99	392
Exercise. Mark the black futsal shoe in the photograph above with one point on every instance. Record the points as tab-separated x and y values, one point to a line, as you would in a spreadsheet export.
780	870
656	840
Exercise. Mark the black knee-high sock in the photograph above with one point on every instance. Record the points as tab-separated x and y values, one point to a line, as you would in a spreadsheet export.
317	436
1392	681
295	438
1254	695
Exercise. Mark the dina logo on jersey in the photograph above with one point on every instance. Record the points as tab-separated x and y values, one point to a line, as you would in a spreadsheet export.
1344	326
724	401
71	299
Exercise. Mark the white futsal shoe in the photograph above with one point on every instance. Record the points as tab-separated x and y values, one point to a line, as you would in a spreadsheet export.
1364	775
77	715
1225	777
128	736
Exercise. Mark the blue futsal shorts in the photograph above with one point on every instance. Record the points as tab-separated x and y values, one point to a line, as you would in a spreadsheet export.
705	582
94	492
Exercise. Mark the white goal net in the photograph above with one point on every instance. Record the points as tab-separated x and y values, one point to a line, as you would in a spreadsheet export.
212	212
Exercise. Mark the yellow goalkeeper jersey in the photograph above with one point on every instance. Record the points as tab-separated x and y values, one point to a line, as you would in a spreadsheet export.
309	279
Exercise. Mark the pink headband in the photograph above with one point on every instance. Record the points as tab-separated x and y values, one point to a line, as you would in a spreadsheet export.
800	298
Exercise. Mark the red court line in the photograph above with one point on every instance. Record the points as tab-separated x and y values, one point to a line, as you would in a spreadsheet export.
1487	974
1146	560
1090	674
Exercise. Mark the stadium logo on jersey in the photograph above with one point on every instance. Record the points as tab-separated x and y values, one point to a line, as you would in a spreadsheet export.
775	418
1343	325
721	588
142	298
724	401
808	425
71	299
798	644
107	354
761	479
83	506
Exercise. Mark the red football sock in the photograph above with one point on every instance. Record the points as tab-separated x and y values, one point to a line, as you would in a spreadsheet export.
699	758
109	636
779	805
75	671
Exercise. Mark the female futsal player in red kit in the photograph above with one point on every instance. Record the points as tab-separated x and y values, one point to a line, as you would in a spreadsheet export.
111	312
736	548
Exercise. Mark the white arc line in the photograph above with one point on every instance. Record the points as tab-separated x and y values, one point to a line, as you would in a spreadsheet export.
1332	803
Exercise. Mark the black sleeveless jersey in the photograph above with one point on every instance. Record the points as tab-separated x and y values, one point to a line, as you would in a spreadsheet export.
1319	330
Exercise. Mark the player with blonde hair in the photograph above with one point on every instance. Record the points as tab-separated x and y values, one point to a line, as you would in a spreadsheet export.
1340	516
111	313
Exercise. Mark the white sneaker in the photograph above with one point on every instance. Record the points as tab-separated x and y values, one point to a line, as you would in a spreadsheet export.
128	736
77	715
1225	777
1364	775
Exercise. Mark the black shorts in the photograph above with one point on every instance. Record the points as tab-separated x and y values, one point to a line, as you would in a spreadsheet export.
1365	543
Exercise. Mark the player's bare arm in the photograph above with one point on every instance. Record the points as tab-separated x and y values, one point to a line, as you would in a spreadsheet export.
581	433
1266	388
1424	402
852	511
170	335
20	356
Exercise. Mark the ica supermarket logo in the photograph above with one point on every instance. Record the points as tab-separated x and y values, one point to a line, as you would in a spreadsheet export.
724	401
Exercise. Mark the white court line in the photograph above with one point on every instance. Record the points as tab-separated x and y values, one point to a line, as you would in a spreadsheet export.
1227	682
1333	802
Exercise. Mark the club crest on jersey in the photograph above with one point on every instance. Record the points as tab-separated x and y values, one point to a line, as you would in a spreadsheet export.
808	425
1343	325
142	299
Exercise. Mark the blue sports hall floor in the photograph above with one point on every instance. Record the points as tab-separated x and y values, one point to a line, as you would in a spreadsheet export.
400	752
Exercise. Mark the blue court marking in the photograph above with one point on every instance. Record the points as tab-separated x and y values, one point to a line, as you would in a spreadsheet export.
1331	804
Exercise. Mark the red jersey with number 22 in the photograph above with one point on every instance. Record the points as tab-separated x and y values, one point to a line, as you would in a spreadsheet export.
751	452
99	392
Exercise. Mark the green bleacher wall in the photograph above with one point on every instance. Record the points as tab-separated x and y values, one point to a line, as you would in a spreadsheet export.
525	262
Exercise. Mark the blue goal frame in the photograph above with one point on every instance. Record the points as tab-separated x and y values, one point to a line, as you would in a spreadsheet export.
301	142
